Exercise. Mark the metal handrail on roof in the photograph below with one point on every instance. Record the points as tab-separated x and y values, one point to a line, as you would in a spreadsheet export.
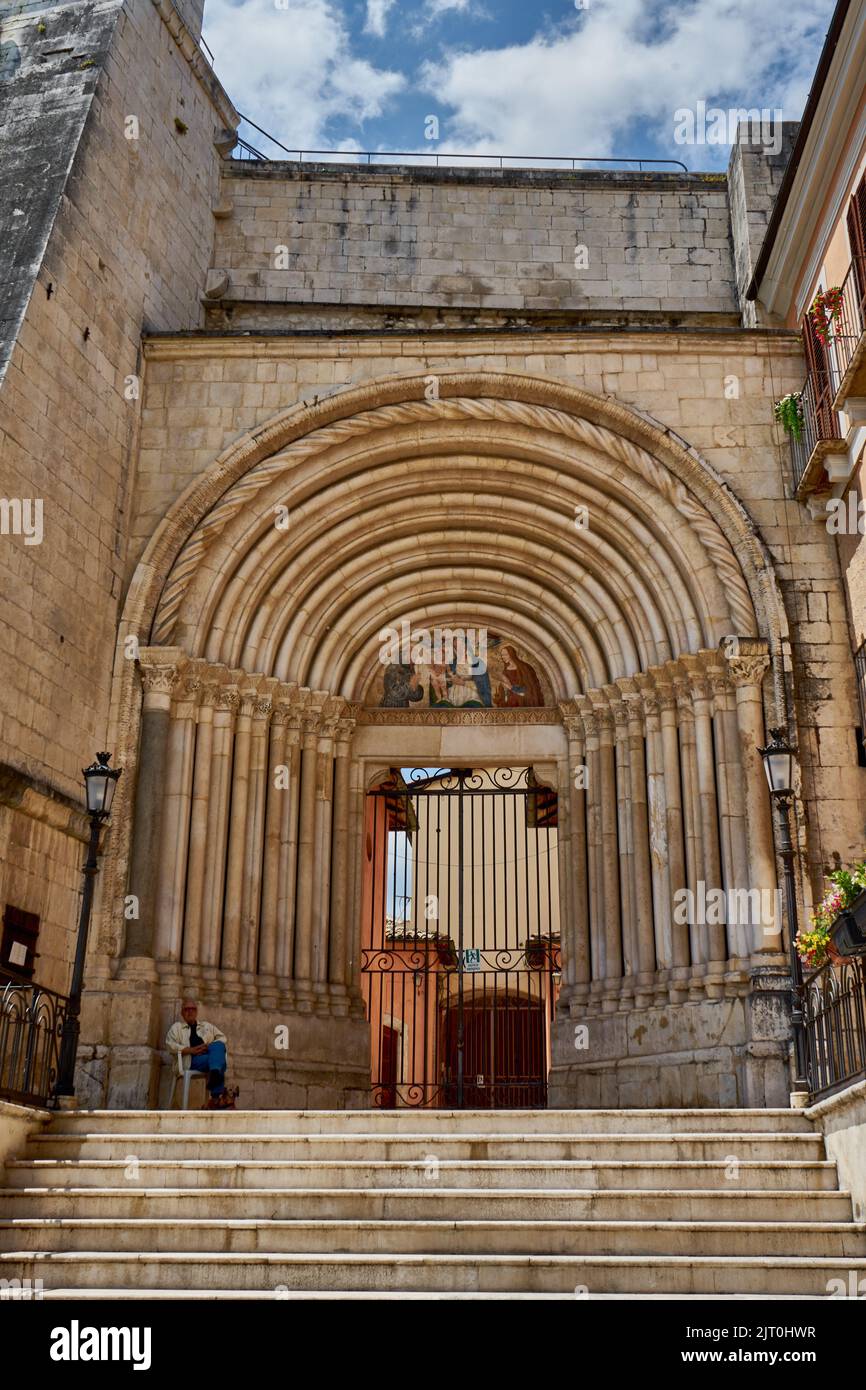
414	156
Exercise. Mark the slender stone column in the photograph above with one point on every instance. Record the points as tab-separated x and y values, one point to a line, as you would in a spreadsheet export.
278	788
176	818
675	832
748	667
691	821
340	865
325	772
160	671
732	819
575	927
230	958
625	842
227	702
198	862
594	847
288	872
643	905
609	858
255	838
657	812
306	890
357	814
714	933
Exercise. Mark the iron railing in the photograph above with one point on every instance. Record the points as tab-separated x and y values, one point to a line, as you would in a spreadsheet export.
31	1025
848	328
244	150
834	1014
819	420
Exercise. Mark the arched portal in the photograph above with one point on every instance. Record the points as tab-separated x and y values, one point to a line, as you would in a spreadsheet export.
632	615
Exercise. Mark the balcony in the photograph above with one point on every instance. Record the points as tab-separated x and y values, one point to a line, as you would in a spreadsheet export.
820	435
849	337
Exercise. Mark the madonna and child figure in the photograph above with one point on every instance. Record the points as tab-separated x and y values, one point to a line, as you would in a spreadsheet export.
498	678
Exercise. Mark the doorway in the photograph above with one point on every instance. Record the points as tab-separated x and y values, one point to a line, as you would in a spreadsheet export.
460	937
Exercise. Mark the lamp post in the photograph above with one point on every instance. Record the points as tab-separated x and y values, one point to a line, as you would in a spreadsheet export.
778	758
100	782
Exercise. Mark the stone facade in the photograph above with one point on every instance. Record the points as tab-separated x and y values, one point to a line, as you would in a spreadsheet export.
428	372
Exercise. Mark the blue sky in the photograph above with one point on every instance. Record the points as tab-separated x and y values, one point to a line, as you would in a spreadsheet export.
566	77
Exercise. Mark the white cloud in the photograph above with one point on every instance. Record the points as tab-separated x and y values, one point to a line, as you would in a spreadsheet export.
377	16
581	90
293	70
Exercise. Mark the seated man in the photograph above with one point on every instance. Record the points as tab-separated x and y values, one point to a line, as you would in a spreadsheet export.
205	1046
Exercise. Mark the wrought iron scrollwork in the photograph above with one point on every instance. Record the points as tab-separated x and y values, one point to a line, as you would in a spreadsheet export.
31	1027
834	1016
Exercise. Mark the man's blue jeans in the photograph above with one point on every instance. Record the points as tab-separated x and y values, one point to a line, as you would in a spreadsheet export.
213	1061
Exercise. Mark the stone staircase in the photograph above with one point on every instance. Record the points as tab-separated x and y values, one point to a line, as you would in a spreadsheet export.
408	1204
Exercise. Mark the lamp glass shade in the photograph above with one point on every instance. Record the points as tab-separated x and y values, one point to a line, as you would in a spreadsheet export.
100	781
779	767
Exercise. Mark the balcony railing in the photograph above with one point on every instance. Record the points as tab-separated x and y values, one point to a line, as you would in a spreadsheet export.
31	1025
849	345
834	1009
820	425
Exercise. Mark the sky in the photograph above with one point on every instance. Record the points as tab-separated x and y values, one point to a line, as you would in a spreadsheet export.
565	78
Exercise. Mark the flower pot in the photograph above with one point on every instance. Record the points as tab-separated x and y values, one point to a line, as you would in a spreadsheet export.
848	932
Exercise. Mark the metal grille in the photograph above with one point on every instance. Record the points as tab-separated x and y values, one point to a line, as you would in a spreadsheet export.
860	669
460	946
31	1028
834	1015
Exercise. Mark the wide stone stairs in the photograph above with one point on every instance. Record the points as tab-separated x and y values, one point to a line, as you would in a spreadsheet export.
428	1204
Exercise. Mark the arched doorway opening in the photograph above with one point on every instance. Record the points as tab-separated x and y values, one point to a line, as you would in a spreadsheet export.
460	937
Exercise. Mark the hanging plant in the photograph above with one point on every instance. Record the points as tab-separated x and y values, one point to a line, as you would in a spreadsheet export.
789	413
813	947
825	311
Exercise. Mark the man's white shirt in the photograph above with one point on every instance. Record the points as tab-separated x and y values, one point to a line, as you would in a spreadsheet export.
177	1037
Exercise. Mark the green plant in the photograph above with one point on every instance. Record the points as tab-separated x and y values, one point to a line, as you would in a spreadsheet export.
846	885
180	126
789	413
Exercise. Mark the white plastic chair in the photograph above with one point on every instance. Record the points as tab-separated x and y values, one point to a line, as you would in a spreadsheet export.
188	1075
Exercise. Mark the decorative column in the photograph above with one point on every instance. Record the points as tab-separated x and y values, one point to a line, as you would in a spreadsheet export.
609	859
340	868
625	847
288	859
677	878
227	703
748	665
575	926
325	772
277	789
176	818
693	837
230	955
255	838
198	861
658	832
594	848
306	881
160	671
643	905
715	933
731	817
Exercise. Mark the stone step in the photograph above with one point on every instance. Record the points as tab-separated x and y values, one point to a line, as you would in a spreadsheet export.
426	1203
446	1122
381	1296
265	1273
529	1237
644	1174
416	1148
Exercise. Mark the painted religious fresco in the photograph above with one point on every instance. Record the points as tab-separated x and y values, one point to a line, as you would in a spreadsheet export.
474	669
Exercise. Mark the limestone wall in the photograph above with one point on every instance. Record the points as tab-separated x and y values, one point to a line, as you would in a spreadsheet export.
507	242
131	231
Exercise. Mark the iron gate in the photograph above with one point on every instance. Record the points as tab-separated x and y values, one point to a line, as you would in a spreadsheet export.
460	937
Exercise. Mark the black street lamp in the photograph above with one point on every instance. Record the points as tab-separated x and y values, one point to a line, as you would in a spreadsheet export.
778	759
100	782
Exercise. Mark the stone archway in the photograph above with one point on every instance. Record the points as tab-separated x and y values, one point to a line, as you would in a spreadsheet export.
581	530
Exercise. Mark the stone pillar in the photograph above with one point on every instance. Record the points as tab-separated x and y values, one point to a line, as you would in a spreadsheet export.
255	839
197	866
731	814
609	859
340	861
625	850
176	819
230	955
306	882
643	903
594	847
575	926
714	935
288	872
278	788
691	817
160	671
657	813
227	702
325	772
677	876
747	668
